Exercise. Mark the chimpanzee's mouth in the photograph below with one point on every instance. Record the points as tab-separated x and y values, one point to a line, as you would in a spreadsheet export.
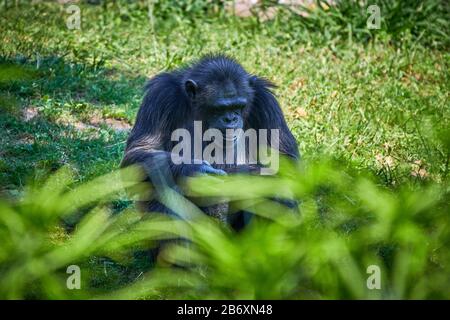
231	135
230	138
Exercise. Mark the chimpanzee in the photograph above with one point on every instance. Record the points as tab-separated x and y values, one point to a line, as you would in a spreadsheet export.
217	93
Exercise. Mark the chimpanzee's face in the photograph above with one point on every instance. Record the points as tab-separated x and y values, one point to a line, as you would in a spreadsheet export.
220	104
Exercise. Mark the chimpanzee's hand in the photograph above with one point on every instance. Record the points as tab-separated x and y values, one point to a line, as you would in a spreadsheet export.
201	169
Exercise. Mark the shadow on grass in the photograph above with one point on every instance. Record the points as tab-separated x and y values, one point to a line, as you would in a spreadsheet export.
53	112
46	110
56	78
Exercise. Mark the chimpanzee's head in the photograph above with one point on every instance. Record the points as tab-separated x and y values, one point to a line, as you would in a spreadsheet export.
220	93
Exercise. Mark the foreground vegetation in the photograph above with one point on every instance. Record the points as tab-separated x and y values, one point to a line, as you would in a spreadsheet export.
369	109
347	224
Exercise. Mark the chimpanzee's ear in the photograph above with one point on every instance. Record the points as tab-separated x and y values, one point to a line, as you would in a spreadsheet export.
190	87
256	82
252	80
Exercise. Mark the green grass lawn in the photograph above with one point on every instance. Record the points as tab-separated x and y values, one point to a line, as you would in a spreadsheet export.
378	106
376	103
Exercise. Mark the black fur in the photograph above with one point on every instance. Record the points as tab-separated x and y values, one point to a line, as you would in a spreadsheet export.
168	105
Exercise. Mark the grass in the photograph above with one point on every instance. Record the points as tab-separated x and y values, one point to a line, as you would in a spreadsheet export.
374	101
368	104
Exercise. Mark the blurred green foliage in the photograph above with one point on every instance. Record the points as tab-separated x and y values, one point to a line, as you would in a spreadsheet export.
346	224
